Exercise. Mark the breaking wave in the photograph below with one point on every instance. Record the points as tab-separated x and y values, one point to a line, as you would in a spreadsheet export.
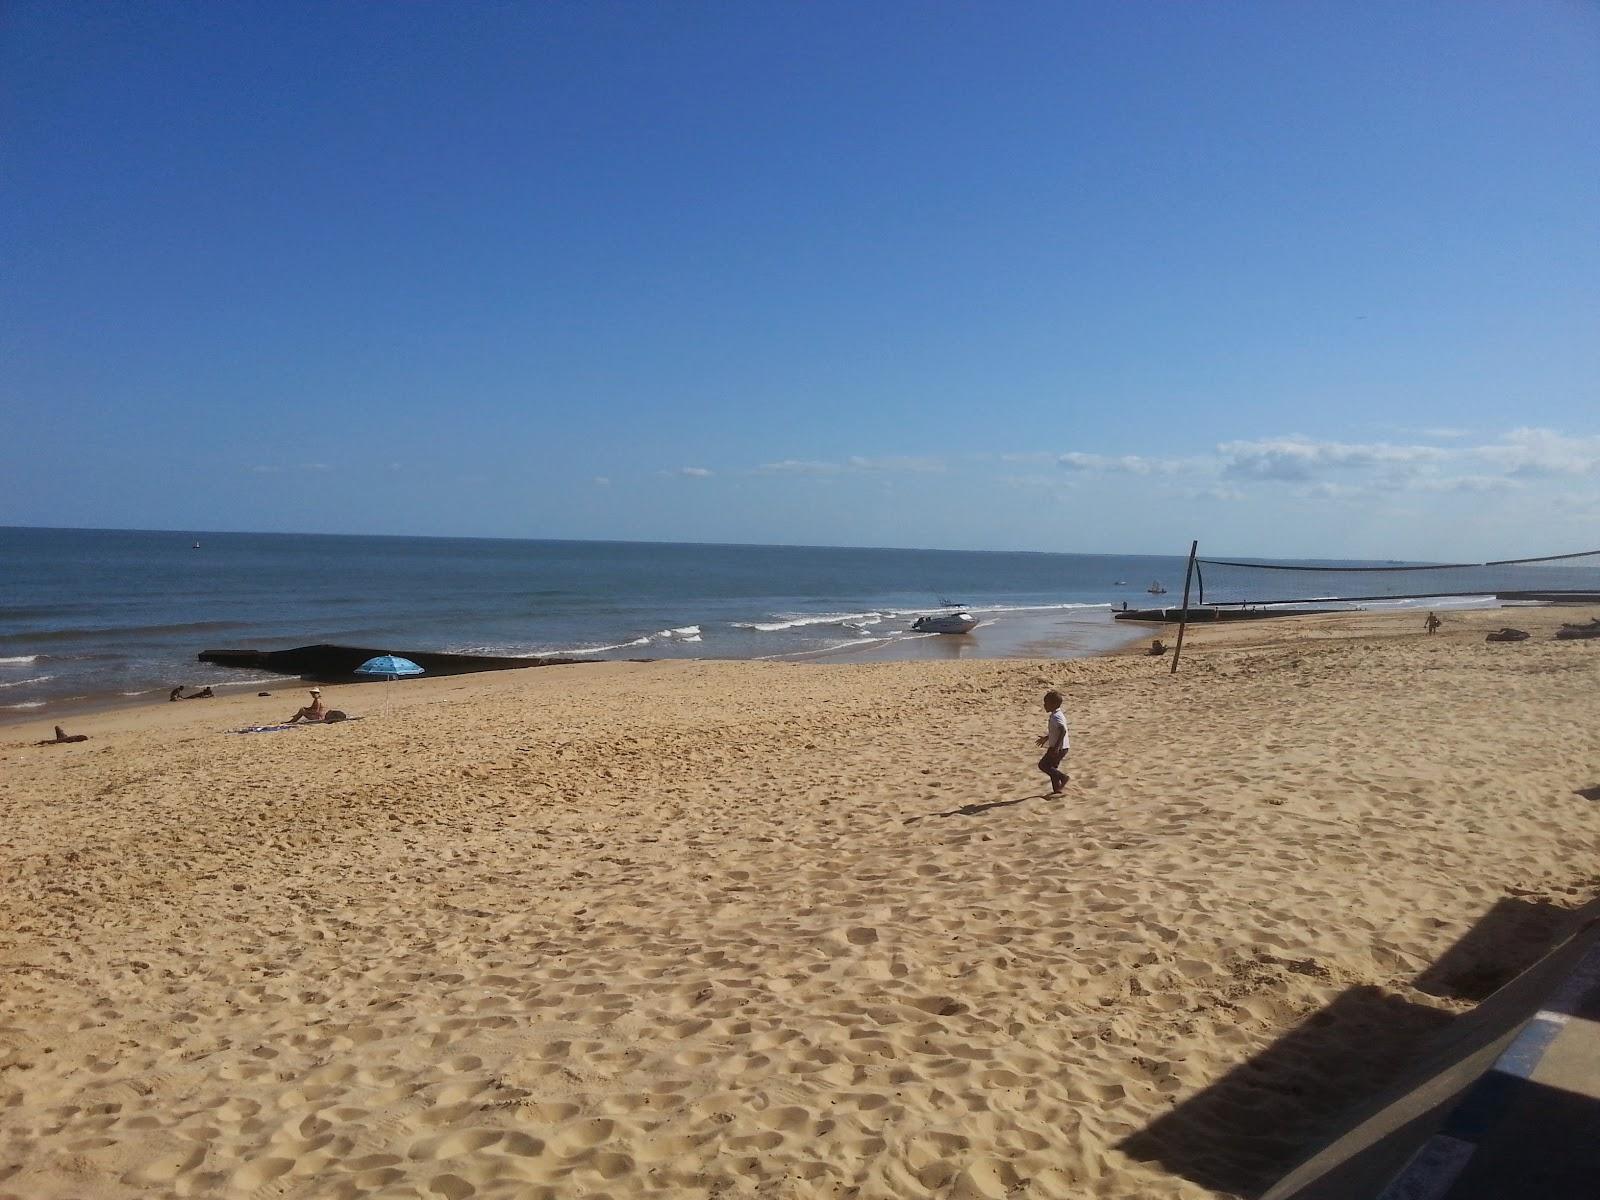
801	622
638	641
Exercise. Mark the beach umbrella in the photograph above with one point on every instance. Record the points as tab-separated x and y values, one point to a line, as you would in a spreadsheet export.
391	666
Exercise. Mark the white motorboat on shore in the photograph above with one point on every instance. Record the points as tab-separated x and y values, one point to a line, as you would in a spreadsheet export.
952	622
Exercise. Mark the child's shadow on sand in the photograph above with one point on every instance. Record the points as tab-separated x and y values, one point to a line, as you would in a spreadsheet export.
977	810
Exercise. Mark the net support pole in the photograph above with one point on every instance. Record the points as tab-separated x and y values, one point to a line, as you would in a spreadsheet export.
1183	617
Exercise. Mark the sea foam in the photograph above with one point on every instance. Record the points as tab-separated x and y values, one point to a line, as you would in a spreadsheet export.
638	641
801	622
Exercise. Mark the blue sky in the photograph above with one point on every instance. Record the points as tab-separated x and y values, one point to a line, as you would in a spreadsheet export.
1297	279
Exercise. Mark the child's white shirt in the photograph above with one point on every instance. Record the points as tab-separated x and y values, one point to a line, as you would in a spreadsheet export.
1058	721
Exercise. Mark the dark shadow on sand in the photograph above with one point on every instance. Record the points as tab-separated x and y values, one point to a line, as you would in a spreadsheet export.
1589	793
1242	1133
1261	1120
1505	941
977	810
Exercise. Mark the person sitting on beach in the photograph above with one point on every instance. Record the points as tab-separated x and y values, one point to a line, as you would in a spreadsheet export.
311	712
204	693
1055	743
1432	623
1157	648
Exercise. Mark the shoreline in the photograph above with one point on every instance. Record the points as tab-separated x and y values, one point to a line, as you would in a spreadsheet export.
1044	640
998	637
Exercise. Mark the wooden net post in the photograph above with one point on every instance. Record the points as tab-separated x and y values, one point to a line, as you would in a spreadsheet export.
1183	617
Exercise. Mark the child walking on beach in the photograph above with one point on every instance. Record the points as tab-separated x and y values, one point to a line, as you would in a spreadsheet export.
1055	743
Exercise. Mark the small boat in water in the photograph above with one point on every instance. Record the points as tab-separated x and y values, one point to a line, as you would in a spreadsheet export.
1155	589
952	622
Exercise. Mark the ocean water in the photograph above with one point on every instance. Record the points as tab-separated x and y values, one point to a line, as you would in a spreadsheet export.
87	615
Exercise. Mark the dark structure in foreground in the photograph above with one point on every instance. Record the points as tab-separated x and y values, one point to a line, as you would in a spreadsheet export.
340	662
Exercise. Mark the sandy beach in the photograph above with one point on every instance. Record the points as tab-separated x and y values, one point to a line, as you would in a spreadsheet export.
782	929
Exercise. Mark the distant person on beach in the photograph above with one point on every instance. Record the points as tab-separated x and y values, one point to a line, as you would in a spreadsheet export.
62	737
204	693
311	712
1054	741
1433	623
1157	648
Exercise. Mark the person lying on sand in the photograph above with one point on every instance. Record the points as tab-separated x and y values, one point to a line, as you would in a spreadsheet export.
62	737
311	712
176	693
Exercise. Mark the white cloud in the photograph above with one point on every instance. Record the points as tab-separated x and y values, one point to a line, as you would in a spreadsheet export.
1467	483
1541	453
1123	464
602	481
857	462
1297	457
1370	478
895	462
1046	483
1520	454
799	466
694	472
1325	489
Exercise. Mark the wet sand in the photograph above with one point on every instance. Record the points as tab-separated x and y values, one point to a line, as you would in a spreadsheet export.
775	929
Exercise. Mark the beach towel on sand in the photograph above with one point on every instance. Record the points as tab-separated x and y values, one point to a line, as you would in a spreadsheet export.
292	725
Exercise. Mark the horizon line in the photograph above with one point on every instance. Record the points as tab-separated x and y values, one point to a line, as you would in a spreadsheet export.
451	537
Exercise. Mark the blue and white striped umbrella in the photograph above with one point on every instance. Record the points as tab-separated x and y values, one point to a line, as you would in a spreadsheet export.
391	666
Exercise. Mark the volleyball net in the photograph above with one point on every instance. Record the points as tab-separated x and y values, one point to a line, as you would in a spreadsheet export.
1222	582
